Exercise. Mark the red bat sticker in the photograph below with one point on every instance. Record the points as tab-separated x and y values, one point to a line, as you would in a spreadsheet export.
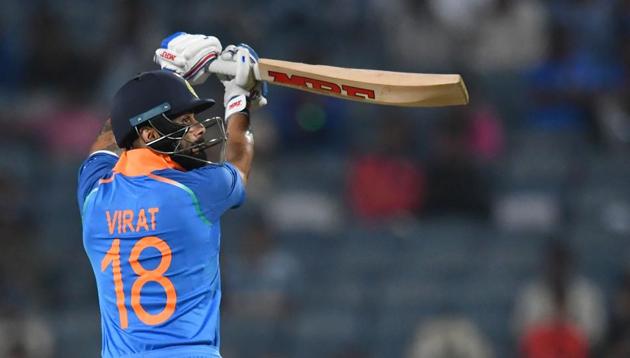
323	86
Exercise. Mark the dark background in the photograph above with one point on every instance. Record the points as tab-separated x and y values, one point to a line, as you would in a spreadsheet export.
479	231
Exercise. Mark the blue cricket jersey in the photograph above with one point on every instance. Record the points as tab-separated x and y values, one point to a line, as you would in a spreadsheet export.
151	231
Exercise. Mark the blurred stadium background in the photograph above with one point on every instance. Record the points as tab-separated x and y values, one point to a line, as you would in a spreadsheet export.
493	230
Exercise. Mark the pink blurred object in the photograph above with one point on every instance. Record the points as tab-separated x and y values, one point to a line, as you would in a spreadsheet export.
486	134
67	131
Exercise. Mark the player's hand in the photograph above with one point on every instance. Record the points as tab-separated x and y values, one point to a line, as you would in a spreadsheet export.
243	88
188	55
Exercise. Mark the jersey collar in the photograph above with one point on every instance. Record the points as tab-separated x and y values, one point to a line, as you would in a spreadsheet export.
143	161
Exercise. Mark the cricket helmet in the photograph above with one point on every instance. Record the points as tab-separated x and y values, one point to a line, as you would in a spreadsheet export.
154	99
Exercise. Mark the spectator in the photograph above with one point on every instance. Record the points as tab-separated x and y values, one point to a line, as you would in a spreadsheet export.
386	183
554	339
413	36
560	302
512	36
24	336
486	139
556	336
459	17
563	87
305	210
449	337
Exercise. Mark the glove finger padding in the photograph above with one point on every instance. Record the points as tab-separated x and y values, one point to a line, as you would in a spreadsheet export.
259	92
244	76
203	45
253	57
188	55
181	43
229	52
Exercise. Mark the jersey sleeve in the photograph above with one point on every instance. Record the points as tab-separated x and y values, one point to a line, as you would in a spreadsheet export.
94	168
218	188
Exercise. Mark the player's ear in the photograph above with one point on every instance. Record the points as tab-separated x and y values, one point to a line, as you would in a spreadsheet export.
148	134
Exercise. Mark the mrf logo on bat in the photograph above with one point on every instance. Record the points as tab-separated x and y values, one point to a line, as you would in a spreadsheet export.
322	86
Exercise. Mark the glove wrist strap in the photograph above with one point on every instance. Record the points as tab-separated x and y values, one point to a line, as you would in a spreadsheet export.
236	104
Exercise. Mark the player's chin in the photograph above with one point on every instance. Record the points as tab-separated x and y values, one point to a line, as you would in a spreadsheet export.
199	154
189	160
196	151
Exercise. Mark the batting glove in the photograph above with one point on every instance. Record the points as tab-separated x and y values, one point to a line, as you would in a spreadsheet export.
243	88
188	55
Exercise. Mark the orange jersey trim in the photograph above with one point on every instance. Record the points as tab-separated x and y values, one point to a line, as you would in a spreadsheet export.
108	180
143	161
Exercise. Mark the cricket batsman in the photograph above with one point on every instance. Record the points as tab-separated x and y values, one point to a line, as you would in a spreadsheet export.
151	200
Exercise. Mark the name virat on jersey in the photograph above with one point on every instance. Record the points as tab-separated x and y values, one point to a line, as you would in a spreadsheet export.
124	221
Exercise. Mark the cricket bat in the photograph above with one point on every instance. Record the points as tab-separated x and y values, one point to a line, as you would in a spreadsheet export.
367	86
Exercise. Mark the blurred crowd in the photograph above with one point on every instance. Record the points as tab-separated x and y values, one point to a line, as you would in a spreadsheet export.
541	151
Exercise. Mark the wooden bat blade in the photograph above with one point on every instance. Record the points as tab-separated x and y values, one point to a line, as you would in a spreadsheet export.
368	86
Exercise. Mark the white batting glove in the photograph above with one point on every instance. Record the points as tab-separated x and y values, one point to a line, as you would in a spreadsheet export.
258	95
188	55
243	88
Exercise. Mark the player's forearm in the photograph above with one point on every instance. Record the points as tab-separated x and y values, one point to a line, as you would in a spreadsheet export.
240	143
105	139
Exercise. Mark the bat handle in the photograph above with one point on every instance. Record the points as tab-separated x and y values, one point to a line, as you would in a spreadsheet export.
221	67
228	68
